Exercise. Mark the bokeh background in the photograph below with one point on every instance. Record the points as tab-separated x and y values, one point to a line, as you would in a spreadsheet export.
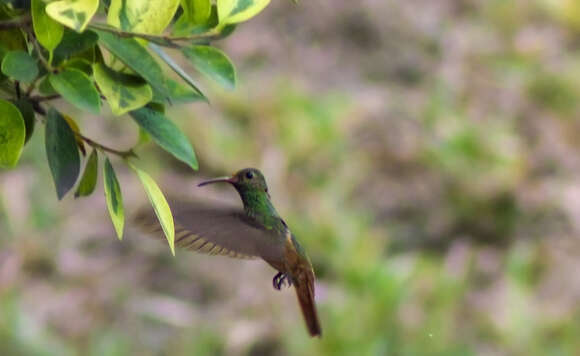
426	154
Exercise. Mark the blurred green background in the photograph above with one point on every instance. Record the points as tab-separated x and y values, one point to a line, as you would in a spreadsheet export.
426	154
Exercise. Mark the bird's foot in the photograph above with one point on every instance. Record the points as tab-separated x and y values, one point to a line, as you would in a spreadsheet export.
280	279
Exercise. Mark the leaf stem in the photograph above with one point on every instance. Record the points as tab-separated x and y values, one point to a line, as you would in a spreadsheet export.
123	154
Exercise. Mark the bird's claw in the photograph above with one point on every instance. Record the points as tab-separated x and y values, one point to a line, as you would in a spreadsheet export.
280	279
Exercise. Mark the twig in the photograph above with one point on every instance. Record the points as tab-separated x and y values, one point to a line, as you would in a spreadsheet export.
163	40
123	154
16	23
39	99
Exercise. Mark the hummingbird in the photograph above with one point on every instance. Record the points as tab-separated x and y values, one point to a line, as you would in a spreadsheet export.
256	231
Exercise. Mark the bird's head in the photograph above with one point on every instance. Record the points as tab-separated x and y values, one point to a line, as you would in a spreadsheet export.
244	180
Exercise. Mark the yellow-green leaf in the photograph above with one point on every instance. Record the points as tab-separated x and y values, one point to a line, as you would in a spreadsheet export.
143	16
89	179
74	14
130	52
196	11
75	128
234	11
114	198
12	133
124	92
160	206
47	31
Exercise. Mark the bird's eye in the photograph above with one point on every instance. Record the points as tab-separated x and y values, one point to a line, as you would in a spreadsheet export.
249	175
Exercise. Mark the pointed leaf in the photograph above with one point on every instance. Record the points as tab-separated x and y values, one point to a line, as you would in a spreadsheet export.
143	16
177	69
124	92
166	134
234	11
20	66
12	134
179	94
160	206
47	31
74	14
62	153
114	198
130	52
77	88
89	179
213	63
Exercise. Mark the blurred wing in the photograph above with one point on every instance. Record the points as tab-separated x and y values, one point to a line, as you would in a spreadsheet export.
215	231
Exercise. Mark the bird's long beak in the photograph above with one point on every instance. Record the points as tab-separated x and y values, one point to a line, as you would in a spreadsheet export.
230	180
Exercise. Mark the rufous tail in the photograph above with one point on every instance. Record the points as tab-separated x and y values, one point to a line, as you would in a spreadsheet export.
305	294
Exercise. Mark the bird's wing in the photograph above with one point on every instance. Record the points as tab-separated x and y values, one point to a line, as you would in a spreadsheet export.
216	231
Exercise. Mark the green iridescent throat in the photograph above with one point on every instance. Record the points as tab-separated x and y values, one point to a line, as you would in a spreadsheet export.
257	204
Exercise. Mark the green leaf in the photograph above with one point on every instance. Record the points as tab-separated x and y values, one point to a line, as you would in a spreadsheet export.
213	63
114	198
74	14
184	27
196	11
180	94
12	134
143	16
45	87
20	66
89	179
77	88
177	69
130	52
160	206
62	152
166	134
47	31
79	63
27	112
234	11
124	92
73	43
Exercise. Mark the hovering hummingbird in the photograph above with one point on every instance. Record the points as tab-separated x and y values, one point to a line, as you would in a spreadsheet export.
255	231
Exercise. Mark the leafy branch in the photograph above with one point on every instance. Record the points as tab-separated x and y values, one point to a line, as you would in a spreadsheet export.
55	50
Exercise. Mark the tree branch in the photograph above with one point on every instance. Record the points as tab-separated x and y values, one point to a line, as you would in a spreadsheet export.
39	99
123	154
162	40
16	23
